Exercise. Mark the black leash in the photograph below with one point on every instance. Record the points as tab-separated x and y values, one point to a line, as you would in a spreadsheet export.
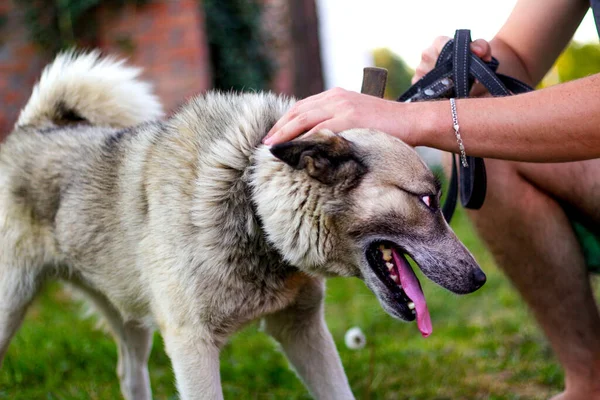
456	70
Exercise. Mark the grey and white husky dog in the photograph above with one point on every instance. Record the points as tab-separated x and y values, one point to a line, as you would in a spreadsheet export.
192	226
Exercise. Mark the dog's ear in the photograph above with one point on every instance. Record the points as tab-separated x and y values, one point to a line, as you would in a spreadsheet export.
325	156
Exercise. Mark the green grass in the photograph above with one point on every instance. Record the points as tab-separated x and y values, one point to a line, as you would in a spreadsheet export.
484	346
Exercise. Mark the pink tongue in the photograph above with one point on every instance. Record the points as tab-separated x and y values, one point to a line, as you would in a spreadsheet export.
411	287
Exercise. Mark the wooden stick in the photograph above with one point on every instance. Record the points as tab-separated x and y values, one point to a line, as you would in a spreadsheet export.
374	80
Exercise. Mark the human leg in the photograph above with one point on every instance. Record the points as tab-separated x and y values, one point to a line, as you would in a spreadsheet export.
525	226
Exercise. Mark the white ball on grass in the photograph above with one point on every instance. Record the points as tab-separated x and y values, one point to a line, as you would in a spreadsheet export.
355	338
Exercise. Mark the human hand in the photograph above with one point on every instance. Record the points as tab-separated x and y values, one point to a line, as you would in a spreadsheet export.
335	109
479	47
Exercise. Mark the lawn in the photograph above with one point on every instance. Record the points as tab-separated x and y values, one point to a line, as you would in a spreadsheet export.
484	346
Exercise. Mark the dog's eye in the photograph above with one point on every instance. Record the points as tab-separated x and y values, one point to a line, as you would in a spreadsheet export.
427	199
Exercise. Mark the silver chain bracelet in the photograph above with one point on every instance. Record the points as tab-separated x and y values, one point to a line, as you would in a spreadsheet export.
461	147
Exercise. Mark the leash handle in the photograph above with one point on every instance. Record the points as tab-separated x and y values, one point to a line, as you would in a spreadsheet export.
461	63
455	71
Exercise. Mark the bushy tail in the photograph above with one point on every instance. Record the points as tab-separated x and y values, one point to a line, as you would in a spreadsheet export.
83	87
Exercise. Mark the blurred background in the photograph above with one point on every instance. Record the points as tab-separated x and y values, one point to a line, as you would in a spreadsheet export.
484	346
298	47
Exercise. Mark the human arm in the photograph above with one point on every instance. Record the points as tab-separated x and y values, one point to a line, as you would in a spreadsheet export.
528	43
560	123
534	35
554	124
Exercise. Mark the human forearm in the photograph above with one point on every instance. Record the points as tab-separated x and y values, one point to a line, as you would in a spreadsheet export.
534	35
560	123
556	124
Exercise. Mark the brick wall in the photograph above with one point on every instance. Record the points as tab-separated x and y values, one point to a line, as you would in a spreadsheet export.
20	66
165	37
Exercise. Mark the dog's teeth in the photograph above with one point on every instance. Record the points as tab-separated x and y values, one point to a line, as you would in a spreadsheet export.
381	247
411	305
394	278
389	266
387	254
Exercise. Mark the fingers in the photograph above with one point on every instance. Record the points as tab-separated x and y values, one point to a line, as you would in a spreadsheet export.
295	111
482	49
336	110
439	43
294	125
479	47
308	113
332	125
429	57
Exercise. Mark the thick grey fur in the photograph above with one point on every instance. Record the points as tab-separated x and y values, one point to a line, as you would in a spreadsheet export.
192	226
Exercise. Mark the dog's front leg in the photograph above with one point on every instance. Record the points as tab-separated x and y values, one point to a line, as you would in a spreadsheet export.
195	360
308	345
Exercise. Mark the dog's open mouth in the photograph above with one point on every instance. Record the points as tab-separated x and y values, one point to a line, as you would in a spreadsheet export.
388	262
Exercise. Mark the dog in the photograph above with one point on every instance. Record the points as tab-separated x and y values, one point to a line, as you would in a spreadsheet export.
190	225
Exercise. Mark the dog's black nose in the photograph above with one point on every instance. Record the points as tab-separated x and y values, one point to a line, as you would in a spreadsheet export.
479	277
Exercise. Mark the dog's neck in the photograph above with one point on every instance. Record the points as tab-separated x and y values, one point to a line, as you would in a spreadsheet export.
290	206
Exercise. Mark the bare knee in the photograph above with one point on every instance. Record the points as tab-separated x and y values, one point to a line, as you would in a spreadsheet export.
507	192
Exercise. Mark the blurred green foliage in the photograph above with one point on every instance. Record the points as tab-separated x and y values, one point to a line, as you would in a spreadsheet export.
52	25
237	45
399	75
62	24
577	61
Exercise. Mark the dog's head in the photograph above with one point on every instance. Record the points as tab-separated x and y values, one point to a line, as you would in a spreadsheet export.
356	204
